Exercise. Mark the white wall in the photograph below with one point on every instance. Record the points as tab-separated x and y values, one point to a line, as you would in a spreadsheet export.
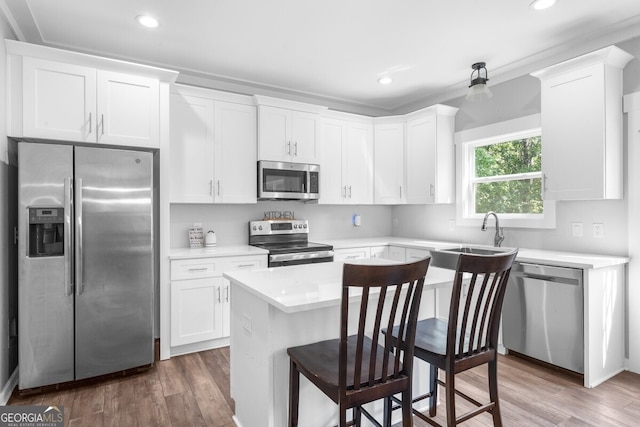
8	286
632	108
518	98
621	218
230	222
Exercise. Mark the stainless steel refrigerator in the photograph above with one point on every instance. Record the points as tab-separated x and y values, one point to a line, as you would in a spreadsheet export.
86	262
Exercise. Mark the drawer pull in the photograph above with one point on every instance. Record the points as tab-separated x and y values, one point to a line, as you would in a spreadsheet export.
199	269
246	265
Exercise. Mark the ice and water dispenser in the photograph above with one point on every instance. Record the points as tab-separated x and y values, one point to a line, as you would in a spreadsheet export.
46	232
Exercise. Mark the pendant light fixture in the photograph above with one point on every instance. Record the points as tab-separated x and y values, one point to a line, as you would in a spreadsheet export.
478	88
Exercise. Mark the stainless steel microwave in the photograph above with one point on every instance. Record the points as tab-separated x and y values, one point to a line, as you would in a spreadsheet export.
288	181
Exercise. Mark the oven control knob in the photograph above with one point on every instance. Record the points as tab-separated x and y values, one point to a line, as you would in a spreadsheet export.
259	227
305	225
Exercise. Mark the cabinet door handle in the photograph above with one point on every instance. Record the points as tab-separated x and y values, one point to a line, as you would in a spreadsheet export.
226	293
432	190
401	191
211	187
90	123
344	192
295	149
102	123
349	191
218	187
219	301
544	183
289	148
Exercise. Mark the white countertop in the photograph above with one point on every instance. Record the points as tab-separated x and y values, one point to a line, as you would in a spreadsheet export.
216	251
310	286
538	256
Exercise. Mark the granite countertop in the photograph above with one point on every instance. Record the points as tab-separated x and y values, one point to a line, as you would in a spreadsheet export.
306	287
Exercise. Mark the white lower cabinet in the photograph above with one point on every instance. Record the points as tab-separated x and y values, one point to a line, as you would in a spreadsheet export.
413	254
200	299
396	253
379	251
352	253
196	312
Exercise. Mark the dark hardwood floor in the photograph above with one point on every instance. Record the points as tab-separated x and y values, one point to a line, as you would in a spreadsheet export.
193	390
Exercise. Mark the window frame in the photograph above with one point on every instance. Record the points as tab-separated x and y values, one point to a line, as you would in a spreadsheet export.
466	141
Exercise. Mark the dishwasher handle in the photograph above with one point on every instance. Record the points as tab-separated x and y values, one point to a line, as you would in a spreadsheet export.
548	273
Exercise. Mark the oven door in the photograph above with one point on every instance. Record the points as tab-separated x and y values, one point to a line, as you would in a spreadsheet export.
297	258
287	181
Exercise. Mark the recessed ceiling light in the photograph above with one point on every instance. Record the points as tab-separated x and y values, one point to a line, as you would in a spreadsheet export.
541	4
147	21
385	80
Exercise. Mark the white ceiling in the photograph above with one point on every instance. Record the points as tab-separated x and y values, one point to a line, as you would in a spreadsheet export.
331	51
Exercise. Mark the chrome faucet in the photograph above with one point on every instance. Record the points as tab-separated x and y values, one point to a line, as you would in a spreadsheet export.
499	237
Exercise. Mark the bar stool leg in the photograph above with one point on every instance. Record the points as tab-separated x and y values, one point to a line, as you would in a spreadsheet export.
493	392
433	389
294	394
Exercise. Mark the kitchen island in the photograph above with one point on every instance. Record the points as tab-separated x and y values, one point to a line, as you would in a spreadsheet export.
276	308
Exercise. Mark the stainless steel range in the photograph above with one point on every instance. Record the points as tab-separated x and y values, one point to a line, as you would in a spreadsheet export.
287	242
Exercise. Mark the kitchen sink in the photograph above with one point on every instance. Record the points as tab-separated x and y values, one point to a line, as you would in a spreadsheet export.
476	250
448	258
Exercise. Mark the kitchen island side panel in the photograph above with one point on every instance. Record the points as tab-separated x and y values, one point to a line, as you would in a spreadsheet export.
260	336
604	324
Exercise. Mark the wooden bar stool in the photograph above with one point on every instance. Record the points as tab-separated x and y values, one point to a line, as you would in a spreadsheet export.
357	369
469	337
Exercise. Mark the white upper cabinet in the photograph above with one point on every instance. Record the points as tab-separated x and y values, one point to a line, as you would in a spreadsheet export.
430	161
389	163
212	148
76	103
347	162
191	149
359	155
235	153
288	131
128	110
59	100
62	95
582	126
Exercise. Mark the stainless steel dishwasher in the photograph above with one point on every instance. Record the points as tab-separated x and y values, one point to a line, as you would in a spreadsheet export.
542	315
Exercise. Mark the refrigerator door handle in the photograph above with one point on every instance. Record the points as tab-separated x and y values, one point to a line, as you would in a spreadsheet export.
78	235
68	238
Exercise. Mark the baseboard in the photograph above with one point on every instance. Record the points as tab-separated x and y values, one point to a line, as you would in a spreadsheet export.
199	346
7	390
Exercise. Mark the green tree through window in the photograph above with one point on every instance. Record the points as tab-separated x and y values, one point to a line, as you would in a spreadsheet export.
508	177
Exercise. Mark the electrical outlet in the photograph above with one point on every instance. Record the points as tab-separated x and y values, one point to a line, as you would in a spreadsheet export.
598	230
577	229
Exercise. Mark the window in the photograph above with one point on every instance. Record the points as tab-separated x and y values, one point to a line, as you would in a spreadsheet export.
500	170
